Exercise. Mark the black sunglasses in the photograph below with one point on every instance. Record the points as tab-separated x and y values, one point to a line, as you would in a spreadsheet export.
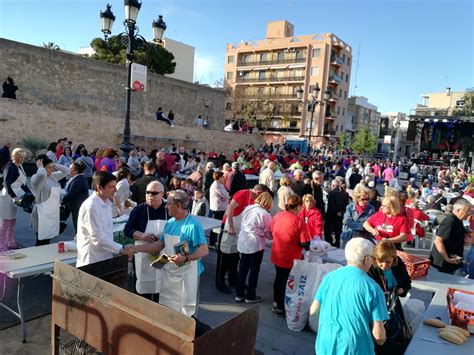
154	193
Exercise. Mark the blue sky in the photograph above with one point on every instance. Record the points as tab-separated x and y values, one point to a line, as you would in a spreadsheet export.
407	47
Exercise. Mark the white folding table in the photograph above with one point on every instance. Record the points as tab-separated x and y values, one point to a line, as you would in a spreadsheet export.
38	260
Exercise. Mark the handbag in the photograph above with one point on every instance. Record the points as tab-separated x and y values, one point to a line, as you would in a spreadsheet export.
398	332
27	201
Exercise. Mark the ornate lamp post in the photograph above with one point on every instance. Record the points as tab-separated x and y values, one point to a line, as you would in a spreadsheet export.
312	105
132	7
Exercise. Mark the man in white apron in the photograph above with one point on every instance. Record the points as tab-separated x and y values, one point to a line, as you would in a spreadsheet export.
145	225
180	279
46	189
95	240
228	256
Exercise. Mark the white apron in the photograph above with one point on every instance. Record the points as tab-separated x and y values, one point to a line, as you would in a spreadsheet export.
8	209
48	215
179	285
229	242
148	278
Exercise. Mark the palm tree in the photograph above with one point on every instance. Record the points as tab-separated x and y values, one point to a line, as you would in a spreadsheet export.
51	45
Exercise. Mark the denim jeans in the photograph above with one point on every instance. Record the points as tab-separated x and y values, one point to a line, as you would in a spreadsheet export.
470	261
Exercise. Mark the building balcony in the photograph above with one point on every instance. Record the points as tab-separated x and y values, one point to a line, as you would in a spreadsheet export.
334	98
335	79
330	115
270	79
329	132
337	61
289	130
271	62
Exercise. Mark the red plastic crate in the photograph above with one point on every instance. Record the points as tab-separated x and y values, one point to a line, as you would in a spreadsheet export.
459	317
416	266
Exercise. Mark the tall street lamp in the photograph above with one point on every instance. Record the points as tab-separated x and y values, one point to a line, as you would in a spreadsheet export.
312	105
132	7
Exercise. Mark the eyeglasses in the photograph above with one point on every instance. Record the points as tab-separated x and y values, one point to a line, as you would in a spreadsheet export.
154	193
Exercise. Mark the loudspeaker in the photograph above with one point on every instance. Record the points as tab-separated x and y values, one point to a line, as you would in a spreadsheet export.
411	132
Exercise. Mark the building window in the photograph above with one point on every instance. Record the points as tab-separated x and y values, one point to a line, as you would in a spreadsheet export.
338	110
247	58
340	92
348	60
228	106
314	71
343	111
230	75
342	128
345	95
230	59
261	74
280	55
337	127
316	52
343	57
264	57
300	54
347	78
342	75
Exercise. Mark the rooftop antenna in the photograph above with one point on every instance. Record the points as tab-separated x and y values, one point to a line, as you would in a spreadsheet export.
357	70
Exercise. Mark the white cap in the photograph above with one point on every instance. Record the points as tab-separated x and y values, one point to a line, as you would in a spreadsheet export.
371	184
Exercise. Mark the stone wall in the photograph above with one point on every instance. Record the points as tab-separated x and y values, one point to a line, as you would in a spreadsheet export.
63	94
20	119
69	81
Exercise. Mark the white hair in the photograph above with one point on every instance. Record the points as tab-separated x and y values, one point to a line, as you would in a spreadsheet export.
298	171
460	204
357	249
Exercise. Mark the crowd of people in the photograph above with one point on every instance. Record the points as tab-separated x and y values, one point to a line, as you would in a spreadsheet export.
325	195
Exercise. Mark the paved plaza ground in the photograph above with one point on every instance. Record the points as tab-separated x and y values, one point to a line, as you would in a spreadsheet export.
273	336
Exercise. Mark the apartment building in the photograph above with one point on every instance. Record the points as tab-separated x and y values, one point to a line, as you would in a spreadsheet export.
440	103
263	77
364	114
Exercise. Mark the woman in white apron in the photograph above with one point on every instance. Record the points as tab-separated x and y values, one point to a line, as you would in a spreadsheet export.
46	189
14	186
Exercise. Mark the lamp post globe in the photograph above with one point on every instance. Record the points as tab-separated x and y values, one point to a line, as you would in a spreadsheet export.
159	28
107	19
132	7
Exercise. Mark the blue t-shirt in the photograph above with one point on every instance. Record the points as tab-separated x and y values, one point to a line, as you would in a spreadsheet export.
390	279
350	302
190	230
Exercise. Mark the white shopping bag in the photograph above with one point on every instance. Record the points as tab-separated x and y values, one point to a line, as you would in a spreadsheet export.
301	287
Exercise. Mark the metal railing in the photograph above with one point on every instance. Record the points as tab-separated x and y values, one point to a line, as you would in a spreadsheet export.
329	132
335	78
271	62
270	96
337	61
279	79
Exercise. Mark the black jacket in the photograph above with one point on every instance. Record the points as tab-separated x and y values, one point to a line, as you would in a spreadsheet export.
399	272
237	182
76	193
10	174
337	203
317	192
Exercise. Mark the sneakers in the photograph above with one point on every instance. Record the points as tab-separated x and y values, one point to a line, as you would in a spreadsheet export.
239	299
274	306
256	299
280	313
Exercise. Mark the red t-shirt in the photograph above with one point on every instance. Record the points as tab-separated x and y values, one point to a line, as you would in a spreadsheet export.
421	216
313	221
388	227
244	199
289	231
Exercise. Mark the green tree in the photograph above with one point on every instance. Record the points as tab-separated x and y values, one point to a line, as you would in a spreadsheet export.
467	110
155	57
342	140
51	45
364	142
